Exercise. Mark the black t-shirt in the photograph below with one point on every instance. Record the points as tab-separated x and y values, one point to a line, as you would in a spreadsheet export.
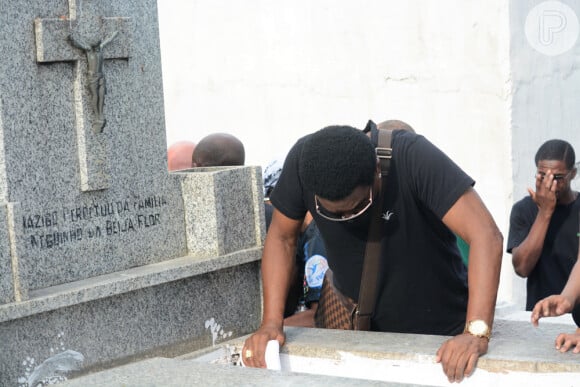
423	282
560	248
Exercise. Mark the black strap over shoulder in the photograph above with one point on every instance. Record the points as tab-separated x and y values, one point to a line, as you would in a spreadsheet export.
369	279
382	139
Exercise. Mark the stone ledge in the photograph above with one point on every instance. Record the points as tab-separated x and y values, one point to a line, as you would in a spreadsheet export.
169	372
516	346
512	359
108	285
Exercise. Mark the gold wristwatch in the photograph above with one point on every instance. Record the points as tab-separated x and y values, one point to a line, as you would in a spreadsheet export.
478	328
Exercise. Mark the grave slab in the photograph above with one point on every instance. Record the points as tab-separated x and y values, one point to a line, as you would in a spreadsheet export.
88	201
519	354
105	257
6	277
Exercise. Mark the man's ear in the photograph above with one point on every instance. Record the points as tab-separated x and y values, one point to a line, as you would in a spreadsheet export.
573	175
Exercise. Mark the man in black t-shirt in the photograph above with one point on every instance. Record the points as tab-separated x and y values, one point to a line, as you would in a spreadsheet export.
334	173
543	236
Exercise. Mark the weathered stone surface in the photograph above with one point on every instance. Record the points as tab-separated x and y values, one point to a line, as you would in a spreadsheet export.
518	354
105	257
162	320
224	208
6	279
88	203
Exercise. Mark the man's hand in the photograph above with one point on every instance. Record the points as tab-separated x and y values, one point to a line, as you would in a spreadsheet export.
565	341
545	194
458	356
255	346
551	306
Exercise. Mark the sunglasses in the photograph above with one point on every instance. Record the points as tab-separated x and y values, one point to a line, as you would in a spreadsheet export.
557	177
357	211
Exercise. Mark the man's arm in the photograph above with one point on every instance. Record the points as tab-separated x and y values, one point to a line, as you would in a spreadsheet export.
470	219
277	265
526	255
557	305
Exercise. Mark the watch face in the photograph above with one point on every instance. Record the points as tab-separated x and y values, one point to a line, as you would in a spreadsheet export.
478	327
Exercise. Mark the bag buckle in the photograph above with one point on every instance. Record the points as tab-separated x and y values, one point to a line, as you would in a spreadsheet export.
361	322
359	314
384	153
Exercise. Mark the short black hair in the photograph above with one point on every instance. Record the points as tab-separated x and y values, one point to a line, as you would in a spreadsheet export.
335	160
557	150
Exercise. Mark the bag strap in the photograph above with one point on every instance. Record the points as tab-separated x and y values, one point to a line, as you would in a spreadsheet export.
384	150
382	139
370	274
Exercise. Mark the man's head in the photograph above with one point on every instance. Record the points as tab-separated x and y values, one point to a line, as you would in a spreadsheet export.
219	149
179	155
395	125
336	160
558	157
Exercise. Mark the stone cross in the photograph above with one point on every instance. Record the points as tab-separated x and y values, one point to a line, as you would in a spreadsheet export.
86	40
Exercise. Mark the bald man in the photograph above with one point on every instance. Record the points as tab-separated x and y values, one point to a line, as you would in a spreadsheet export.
219	149
395	125
179	155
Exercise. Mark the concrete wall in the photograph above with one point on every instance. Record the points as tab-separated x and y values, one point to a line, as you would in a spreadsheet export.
459	72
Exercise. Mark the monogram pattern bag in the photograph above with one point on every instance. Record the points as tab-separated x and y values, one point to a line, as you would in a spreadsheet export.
335	310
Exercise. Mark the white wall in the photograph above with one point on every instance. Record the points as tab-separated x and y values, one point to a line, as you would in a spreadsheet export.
270	72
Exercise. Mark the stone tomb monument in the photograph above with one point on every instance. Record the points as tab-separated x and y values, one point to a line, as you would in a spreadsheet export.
105	257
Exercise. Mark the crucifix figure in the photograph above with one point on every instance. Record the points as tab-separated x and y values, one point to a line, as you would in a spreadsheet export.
95	77
82	40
